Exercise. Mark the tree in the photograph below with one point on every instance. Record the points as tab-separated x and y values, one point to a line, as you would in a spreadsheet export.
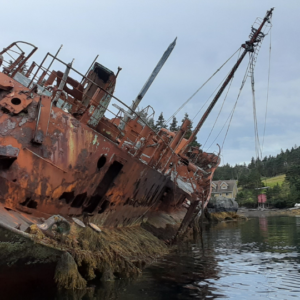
160	123
173	125
151	123
285	194
189	132
293	177
24	69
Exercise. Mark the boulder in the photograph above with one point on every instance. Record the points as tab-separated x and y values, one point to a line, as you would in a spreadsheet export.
222	204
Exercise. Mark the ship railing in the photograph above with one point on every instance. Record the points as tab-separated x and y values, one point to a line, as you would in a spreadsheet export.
13	65
39	77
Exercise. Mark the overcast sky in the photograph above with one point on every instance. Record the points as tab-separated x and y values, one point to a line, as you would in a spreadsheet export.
134	35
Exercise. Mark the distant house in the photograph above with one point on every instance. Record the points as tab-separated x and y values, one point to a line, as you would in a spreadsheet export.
225	188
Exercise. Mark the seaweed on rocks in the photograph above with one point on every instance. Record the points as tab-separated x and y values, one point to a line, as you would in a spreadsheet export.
67	275
121	252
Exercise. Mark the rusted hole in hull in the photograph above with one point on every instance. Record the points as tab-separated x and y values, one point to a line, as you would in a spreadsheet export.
67	196
153	198
32	204
112	172
104	206
29	203
79	199
101	162
25	202
6	163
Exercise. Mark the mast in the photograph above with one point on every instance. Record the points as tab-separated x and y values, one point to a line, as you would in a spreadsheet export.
148	83
249	47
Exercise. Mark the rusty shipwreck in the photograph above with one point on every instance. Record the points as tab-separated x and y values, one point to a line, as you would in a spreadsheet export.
73	155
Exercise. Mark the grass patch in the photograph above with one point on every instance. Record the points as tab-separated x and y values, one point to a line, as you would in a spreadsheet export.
272	181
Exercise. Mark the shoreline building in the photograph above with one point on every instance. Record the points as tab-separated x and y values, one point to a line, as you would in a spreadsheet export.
225	188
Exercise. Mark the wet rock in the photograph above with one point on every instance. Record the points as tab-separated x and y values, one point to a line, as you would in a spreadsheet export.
67	275
222	204
107	274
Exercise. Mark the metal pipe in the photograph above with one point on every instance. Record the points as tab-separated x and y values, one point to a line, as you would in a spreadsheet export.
38	69
54	58
62	82
46	72
60	88
30	69
148	83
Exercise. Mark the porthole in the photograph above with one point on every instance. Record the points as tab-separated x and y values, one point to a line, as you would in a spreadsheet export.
16	101
69	86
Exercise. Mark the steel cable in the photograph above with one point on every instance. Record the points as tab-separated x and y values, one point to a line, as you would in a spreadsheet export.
231	113
269	69
171	117
233	110
221	106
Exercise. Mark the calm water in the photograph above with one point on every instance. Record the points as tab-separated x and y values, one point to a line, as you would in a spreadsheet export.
257	259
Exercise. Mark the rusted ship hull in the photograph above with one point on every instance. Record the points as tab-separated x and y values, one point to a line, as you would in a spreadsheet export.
59	155
76	170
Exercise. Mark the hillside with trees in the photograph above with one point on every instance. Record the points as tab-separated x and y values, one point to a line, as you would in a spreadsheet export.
256	174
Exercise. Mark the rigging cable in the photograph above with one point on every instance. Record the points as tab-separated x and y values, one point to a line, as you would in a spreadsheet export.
217	88
257	143
243	83
221	106
250	69
171	117
253	58
270	48
219	112
231	113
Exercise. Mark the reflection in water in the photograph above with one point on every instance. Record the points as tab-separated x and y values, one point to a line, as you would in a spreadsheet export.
263	223
257	259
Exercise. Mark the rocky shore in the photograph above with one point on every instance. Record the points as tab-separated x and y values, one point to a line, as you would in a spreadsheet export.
252	213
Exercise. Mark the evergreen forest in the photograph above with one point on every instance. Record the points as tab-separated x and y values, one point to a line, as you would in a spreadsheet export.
258	174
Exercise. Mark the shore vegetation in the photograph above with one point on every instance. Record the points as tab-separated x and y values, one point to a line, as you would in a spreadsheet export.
276	176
